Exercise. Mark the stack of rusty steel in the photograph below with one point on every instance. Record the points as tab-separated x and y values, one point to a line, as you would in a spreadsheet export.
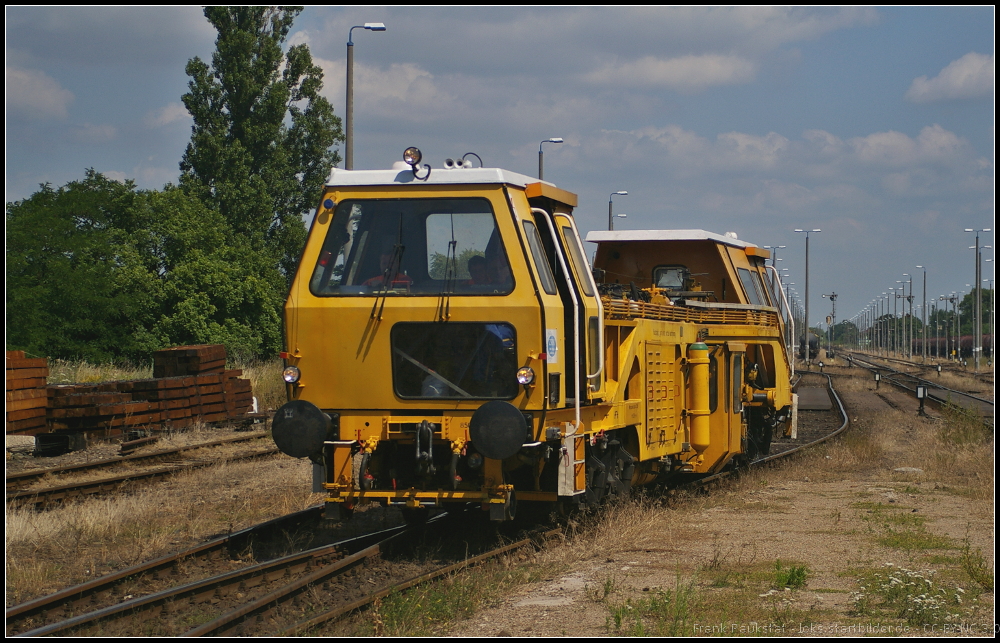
26	397
189	360
214	394
190	384
104	408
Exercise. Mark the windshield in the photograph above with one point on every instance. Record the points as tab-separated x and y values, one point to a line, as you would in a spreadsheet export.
753	296
459	360
412	247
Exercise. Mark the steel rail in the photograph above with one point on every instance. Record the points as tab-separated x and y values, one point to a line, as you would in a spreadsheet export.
23	476
61	492
929	383
225	624
79	596
207	588
361	603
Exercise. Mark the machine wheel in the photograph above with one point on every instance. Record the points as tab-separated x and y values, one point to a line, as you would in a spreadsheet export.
760	431
609	473
621	466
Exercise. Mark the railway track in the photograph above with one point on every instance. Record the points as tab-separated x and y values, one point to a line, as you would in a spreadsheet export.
289	594
108	590
17	480
295	594
937	395
947	367
20	491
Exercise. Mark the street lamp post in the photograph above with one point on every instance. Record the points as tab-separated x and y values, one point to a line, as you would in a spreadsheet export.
349	134
774	254
977	324
885	323
805	326
548	140
923	318
896	344
791	313
611	207
937	331
908	323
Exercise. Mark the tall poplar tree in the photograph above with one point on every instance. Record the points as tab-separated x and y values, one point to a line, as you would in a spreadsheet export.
261	141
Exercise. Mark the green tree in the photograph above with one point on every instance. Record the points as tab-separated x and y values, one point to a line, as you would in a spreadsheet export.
261	141
967	309
209	289
101	271
66	259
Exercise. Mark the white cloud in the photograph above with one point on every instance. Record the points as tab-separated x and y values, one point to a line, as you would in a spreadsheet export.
933	144
89	133
34	94
166	115
971	76
746	150
685	73
741	173
403	91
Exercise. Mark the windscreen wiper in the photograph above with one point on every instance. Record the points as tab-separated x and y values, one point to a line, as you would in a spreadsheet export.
390	273
432	373
450	275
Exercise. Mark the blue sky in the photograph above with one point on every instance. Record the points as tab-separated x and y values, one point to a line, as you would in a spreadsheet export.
872	124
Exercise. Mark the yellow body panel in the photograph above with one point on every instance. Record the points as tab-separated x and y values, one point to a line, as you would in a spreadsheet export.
680	381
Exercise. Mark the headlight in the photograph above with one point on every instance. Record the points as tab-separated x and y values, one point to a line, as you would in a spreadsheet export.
291	374
525	375
412	156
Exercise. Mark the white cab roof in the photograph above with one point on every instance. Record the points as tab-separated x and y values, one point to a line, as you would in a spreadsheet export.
438	176
604	236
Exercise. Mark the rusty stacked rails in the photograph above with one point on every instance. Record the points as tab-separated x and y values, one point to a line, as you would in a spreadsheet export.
217	395
238	394
191	384
183	400
98	408
189	360
26	396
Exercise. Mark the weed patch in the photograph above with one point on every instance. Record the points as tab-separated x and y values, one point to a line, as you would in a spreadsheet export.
428	609
912	596
793	577
974	565
896	526
961	427
663	612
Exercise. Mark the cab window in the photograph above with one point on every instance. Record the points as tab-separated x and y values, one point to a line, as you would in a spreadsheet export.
753	296
406	247
669	277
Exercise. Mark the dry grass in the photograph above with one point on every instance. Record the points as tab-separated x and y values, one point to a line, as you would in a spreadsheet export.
71	543
78	372
264	376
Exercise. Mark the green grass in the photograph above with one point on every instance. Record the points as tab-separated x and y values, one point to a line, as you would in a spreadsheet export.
664	612
962	427
914	540
975	566
793	577
898	527
427	610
